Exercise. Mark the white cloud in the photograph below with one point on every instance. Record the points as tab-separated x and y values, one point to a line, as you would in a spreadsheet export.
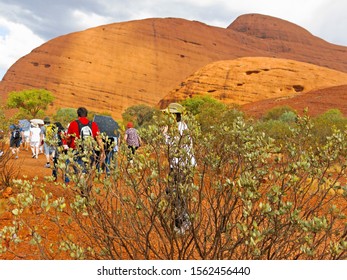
331	21
83	20
16	40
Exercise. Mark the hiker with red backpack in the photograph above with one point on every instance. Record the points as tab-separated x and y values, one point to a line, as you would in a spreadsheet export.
78	131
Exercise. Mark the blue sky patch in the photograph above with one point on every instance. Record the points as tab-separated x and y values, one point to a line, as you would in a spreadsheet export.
3	31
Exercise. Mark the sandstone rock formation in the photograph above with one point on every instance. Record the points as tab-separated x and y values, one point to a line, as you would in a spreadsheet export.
111	67
251	79
316	101
287	40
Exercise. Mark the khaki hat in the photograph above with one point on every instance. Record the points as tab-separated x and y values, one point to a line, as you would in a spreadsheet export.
174	108
46	120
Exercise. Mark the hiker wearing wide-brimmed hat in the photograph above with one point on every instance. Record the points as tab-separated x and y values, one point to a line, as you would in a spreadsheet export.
182	161
177	110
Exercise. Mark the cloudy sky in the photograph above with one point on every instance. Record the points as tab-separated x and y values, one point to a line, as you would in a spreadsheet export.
26	24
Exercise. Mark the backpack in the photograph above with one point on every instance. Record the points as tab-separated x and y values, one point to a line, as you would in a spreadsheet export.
51	134
16	134
59	132
85	130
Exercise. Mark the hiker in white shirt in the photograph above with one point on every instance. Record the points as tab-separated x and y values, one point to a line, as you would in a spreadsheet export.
35	139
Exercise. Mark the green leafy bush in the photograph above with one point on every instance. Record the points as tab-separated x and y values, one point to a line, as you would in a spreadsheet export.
65	115
277	112
325	123
141	115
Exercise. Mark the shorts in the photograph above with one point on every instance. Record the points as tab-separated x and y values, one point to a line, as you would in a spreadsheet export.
48	150
15	143
35	144
26	136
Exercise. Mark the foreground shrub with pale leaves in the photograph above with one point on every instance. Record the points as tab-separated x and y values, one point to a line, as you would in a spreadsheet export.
247	198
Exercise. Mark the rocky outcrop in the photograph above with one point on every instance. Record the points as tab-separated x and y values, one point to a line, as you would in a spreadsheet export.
251	79
112	67
316	101
287	40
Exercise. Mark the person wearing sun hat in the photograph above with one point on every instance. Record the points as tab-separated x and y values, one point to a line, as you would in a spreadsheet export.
181	160
177	110
174	108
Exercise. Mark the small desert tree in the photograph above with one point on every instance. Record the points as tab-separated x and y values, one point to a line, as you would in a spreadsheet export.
31	102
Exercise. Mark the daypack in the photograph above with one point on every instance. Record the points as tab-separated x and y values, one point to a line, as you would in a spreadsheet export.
51	134
85	129
85	141
16	134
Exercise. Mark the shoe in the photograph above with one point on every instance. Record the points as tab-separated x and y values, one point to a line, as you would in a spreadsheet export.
183	228
47	165
1	153
180	230
16	157
186	225
33	156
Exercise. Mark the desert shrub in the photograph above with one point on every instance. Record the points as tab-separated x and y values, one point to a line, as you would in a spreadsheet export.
141	115
278	130
247	198
288	117
277	112
210	118
278	124
9	169
65	115
209	111
3	122
325	123
198	104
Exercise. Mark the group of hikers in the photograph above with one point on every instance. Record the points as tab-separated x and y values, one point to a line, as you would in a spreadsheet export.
49	137
34	135
29	135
